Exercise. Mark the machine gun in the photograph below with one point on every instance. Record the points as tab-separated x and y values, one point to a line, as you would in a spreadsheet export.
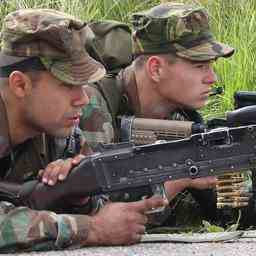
125	167
231	188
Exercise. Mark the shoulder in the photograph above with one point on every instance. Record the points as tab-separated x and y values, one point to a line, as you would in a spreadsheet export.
95	95
97	104
96	119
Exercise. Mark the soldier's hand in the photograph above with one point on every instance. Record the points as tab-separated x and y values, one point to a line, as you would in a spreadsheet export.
58	170
175	186
121	223
203	183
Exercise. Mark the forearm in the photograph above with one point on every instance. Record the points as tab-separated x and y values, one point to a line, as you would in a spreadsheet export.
172	188
42	229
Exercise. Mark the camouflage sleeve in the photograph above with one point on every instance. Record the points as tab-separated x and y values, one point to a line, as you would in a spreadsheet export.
96	120
23	229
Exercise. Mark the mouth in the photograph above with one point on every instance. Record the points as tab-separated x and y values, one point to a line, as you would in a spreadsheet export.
74	119
206	93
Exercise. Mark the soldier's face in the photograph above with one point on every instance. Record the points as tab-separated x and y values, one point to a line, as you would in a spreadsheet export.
187	83
54	107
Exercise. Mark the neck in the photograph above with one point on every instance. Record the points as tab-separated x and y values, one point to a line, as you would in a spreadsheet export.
152	104
18	131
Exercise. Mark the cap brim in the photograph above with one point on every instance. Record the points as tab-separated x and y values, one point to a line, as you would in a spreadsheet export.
206	51
79	71
7	60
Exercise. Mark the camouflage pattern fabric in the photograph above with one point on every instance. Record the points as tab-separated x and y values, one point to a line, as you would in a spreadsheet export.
96	121
26	159
176	28
23	229
185	210
57	38
22	163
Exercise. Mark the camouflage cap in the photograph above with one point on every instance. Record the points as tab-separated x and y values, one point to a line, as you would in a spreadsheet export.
177	28
58	39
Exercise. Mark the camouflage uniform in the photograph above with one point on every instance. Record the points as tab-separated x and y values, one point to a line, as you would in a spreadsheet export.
52	41
167	28
182	30
177	28
23	229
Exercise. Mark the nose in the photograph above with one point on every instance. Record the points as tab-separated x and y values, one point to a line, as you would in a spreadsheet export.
211	77
80	98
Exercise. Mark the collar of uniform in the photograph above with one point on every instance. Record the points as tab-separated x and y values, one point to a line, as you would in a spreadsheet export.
40	143
5	143
131	96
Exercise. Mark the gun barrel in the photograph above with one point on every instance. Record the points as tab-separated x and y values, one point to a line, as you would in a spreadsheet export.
244	98
242	116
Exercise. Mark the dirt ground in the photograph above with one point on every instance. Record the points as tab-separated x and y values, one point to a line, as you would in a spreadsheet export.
245	245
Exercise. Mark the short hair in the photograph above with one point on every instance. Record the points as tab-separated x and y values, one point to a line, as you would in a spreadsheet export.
3	82
23	65
31	67
140	60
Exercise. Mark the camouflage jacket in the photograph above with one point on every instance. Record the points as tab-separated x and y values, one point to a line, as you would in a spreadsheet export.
22	163
22	228
100	125
111	98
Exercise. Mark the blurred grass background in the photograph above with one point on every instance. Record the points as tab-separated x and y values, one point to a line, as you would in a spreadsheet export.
233	22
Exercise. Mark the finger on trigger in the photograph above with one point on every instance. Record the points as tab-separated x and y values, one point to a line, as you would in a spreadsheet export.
154	202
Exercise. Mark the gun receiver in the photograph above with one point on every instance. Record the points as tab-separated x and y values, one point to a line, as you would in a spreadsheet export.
124	166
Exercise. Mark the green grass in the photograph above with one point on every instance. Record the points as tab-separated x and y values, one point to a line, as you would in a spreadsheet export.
233	22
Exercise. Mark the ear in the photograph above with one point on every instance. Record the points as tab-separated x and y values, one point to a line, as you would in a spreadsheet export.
20	84
154	67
